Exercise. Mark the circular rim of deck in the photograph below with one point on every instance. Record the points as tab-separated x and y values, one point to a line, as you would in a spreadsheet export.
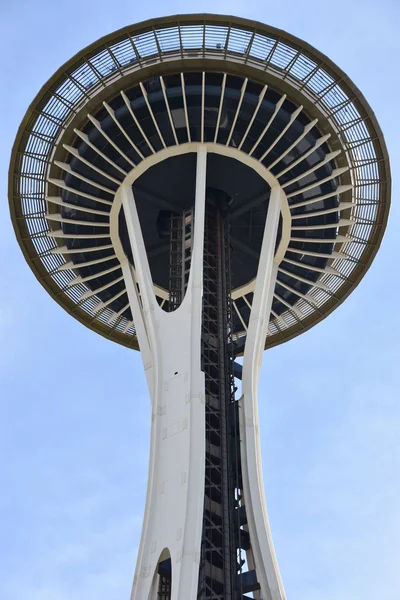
236	61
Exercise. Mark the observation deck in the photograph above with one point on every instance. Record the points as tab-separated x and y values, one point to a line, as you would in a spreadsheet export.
262	101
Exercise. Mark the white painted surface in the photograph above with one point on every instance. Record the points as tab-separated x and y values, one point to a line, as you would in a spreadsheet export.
253	487
175	494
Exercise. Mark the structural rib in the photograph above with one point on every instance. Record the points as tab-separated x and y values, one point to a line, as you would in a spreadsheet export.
260	99
89	293
279	319
306	130
341	239
339	190
185	107
311	186
111	112
264	131
220	108
242	93
319	213
317	144
305	297
129	107
203	91
85	138
328	270
103	305
341	223
247	302
60	219
60	183
326	159
65	250
114	316
332	255
316	284
71	265
292	119
80	279
153	118
127	327
74	152
67	168
240	316
164	91
99	128
79	236
57	200
293	308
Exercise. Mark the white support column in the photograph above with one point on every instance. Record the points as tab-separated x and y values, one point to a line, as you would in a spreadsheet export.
263	553
170	346
172	360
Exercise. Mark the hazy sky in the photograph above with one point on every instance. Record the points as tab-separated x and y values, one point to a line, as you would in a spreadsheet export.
74	420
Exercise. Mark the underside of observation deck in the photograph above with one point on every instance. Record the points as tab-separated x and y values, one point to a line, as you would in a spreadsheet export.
208	107
223	80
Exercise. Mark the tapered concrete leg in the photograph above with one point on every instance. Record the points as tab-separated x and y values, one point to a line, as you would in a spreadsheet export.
170	344
263	553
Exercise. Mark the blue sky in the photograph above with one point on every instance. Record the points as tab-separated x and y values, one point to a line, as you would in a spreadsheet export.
74	409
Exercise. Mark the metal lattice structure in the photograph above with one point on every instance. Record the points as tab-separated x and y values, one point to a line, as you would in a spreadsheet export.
46	154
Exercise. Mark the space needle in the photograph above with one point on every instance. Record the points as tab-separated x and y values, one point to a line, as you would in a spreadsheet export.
199	188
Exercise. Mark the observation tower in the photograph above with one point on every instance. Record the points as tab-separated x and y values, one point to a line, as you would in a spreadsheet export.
200	187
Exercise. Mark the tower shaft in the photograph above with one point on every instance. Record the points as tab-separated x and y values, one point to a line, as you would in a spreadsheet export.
217	567
204	506
222	485
223	514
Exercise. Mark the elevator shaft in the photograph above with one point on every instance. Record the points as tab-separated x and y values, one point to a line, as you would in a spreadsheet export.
223	571
217	566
